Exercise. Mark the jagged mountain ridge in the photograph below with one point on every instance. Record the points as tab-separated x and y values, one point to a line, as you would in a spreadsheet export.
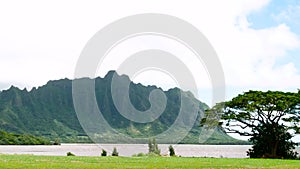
48	111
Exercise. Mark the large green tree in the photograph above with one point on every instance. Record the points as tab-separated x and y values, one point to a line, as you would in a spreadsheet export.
269	118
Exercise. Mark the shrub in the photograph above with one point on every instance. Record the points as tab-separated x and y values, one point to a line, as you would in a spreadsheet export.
139	155
56	141
171	151
115	152
104	153
70	154
153	147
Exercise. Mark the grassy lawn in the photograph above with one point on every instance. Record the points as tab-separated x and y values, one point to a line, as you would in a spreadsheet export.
30	161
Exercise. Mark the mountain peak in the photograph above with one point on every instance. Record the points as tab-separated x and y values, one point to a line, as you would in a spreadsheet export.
49	111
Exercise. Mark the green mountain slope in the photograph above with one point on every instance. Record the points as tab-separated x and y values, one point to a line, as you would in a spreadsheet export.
48	111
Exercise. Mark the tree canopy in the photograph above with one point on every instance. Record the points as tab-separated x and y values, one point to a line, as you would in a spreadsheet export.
269	118
254	108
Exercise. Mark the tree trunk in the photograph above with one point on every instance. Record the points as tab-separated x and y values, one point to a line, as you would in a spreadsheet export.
273	148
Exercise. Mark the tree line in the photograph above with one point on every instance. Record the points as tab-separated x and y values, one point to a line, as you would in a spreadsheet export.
22	139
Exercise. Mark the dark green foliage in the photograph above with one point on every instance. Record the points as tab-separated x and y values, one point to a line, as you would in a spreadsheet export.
48	111
171	151
115	152
139	155
264	116
103	153
70	154
21	139
266	146
153	147
56	141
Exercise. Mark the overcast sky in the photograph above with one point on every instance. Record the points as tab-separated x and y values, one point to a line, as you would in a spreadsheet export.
257	41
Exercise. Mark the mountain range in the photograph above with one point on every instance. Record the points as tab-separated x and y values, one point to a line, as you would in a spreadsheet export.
49	111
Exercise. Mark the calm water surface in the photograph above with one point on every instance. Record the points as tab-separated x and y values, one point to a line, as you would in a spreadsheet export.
186	150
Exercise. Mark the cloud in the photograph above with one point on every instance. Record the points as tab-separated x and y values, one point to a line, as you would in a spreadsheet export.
4	86
42	41
253	55
290	14
250	56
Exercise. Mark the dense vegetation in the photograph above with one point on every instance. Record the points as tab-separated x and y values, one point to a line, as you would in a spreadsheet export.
21	139
269	118
153	147
48	111
76	162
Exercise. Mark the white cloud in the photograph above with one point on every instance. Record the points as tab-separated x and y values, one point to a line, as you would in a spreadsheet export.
290	14
250	56
42	41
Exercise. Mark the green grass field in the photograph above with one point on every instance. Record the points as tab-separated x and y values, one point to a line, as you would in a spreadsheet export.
30	161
